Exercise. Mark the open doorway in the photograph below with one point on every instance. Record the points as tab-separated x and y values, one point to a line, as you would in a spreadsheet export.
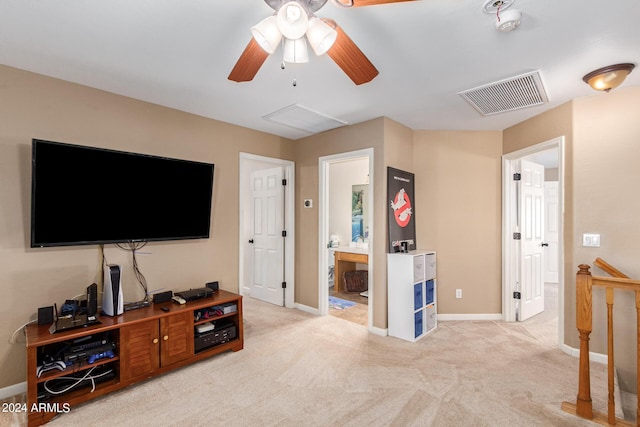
266	253
345	235
550	156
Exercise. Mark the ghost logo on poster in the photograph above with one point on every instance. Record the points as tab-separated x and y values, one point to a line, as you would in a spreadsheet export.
401	205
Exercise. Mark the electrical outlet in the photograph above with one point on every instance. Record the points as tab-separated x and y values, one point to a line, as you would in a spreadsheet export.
458	293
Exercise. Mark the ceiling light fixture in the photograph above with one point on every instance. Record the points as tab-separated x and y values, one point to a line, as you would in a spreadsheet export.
610	77
291	22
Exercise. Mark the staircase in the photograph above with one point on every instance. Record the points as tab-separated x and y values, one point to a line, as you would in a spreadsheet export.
584	314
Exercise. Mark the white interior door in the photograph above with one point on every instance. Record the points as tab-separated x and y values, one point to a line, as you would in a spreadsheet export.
551	232
267	242
532	234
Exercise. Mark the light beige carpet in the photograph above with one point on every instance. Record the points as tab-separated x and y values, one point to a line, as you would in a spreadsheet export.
302	370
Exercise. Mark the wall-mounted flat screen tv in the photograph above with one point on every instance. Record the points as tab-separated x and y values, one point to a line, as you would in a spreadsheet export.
84	195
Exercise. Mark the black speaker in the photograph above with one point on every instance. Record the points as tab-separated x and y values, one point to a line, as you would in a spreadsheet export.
162	297
45	315
92	300
213	285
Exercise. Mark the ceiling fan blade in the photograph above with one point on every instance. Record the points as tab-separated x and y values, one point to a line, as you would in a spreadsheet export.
350	58
249	63
361	3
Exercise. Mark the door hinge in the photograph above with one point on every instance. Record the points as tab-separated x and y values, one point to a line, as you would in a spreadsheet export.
517	236
516	295
284	233
284	285
284	182
517	176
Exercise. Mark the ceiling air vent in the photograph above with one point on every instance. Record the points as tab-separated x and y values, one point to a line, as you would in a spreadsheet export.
510	94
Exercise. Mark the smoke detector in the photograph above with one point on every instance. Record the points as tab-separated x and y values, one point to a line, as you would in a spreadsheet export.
508	21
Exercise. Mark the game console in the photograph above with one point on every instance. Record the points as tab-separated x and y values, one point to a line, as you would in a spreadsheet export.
112	301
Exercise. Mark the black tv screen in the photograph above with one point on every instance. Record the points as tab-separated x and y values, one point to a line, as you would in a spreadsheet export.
83	195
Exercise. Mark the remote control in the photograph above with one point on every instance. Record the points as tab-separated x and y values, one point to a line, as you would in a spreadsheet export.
178	300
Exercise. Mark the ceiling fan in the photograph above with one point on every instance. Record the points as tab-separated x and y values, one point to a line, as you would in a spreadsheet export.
292	21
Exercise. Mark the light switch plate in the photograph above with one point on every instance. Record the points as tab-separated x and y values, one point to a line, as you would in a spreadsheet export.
591	240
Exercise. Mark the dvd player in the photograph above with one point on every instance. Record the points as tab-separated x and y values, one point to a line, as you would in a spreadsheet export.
194	294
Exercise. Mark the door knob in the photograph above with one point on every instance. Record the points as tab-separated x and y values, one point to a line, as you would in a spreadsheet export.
544	244
250	240
166	337
155	340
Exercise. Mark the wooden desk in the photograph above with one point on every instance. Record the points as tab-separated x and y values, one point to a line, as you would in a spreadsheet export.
346	261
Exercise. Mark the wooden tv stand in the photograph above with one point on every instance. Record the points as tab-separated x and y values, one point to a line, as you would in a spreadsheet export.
148	342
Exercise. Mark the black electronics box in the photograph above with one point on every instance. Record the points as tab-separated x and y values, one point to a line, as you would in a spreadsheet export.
161	297
195	294
220	335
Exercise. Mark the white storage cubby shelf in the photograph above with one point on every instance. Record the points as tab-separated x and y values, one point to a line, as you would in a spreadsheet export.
411	294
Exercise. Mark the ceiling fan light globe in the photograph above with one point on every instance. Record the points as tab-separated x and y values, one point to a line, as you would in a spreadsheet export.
292	20
295	51
320	35
266	34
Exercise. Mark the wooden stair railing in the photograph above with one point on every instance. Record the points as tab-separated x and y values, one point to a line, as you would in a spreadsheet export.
584	313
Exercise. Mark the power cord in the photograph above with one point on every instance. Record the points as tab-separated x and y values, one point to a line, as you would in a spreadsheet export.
12	338
77	380
142	281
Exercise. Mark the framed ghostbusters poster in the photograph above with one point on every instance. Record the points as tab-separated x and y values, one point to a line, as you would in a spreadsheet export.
401	211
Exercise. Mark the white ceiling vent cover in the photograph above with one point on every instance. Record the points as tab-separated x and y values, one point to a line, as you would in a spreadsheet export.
302	118
510	94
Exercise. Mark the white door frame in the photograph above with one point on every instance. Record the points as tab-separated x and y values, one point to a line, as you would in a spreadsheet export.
509	254
247	165
323	231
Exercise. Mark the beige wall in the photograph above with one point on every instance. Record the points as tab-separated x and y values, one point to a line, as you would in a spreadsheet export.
552	124
307	152
36	106
601	132
458	211
607	201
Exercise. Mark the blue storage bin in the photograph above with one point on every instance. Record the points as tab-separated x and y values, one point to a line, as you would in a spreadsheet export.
429	293
418	324
417	296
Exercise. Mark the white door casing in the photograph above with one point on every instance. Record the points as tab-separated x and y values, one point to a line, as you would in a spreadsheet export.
551	232
531	239
267	240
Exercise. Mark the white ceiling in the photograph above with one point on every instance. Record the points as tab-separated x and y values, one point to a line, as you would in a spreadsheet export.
178	53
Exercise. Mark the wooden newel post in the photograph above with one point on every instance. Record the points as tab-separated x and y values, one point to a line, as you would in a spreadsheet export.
584	312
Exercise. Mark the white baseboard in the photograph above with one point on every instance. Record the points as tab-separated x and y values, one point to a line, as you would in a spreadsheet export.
449	317
12	390
307	309
575	352
378	331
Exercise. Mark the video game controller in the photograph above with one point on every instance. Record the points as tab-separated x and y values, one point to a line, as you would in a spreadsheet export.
58	364
103	355
178	300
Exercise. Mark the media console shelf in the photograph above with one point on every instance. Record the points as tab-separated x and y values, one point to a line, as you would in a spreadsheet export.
147	342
